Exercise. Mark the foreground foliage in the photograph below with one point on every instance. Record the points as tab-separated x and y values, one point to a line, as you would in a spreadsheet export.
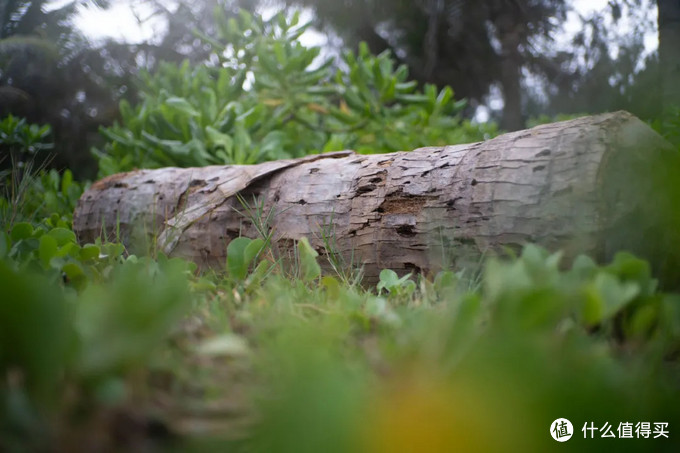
441	362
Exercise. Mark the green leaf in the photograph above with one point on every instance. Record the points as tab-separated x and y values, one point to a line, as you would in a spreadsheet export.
22	230
89	252
605	297
388	279
444	97
256	277
73	270
112	249
182	105
47	250
220	140
4	244
445	280
236	263
332	286
203	284
62	235
309	267
66	181
252	250
643	320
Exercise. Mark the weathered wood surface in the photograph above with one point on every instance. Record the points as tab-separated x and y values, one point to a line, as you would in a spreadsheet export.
583	185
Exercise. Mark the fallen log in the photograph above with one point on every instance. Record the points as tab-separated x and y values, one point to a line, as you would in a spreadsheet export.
592	185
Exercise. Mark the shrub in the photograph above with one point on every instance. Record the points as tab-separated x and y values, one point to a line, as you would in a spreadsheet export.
269	97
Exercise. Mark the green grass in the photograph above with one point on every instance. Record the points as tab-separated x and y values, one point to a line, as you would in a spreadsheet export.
277	362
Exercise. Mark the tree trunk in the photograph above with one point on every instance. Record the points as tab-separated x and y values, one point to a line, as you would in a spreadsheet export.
509	35
669	50
594	185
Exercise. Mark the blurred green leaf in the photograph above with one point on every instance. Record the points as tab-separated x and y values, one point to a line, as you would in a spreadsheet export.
47	250
605	297
309	267
21	231
62	236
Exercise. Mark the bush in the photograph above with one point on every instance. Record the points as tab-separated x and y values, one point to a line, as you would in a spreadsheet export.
269	97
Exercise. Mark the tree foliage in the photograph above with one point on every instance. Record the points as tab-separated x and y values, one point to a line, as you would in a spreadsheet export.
466	44
270	97
50	73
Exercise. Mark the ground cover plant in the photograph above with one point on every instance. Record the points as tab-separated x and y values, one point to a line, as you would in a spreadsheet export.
103	350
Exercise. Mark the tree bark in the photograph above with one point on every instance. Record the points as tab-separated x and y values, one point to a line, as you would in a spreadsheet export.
592	185
669	50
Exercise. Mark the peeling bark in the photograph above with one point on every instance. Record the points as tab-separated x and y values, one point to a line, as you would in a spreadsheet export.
583	186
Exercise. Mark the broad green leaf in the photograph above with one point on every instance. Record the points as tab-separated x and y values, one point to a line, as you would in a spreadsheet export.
252	250
445	280
47	250
332	286
22	230
643	320
73	270
89	252
388	279
605	297
309	267
236	263
62	235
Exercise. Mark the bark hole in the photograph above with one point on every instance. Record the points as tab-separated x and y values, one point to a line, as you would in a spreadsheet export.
400	203
451	203
406	231
365	189
412	268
